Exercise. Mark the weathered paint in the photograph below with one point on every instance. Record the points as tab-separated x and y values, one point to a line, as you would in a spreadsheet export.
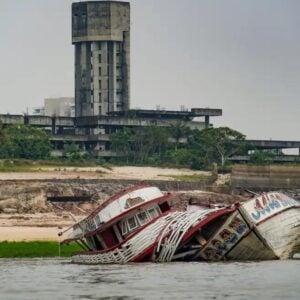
114	208
282	232
267	205
275	218
251	247
232	231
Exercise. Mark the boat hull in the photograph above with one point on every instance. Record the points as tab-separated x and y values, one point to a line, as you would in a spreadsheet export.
156	242
275	219
282	233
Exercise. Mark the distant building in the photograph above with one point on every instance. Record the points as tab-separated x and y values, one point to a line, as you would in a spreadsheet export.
101	36
38	111
60	107
56	107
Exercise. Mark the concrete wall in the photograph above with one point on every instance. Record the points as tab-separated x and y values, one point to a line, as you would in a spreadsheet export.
266	177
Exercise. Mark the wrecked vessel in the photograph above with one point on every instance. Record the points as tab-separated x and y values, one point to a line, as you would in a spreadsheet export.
139	225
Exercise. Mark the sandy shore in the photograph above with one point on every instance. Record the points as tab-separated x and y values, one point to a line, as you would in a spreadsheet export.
45	226
33	227
18	233
138	173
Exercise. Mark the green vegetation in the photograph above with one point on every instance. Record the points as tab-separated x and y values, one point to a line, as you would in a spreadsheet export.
262	157
177	146
24	142
21	165
36	249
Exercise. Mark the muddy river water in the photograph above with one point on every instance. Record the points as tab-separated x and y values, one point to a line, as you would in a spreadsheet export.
45	279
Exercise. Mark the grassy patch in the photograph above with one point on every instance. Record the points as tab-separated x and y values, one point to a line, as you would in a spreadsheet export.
21	165
188	178
36	249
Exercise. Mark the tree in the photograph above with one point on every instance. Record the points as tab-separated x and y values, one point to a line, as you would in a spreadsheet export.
141	145
74	153
2	133
120	143
25	142
178	131
149	141
182	156
262	157
215	145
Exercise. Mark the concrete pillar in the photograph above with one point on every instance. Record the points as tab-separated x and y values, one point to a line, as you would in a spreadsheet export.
206	121
53	129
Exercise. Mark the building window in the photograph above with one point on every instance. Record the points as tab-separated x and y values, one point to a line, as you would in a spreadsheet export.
119	71
100	110
92	93
119	97
100	85
119	84
118	59
99	71
99	57
100	97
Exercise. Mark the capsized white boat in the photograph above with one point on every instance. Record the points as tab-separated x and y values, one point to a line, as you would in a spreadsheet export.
138	225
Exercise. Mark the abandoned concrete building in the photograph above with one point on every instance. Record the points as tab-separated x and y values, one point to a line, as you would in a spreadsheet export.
101	38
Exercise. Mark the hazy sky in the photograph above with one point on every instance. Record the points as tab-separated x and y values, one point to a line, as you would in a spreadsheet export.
238	55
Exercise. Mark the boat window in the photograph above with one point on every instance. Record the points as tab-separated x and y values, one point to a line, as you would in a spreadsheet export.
97	220
153	213
124	227
132	224
143	218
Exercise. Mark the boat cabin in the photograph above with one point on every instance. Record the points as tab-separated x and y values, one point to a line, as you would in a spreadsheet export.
120	217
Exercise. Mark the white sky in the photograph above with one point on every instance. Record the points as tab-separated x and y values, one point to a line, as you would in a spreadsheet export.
241	56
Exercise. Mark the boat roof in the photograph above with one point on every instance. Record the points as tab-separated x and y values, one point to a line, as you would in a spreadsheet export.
116	197
122	203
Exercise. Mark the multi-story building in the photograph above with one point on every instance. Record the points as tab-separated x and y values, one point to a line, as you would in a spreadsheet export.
101	36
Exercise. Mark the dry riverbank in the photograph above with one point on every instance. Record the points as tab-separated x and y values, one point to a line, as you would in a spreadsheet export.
122	173
27	215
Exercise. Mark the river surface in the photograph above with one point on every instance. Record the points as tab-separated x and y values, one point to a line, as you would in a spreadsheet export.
56	279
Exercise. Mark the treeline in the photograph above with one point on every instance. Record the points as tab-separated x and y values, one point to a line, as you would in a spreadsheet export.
25	142
177	145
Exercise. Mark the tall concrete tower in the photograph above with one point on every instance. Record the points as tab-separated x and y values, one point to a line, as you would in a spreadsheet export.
101	35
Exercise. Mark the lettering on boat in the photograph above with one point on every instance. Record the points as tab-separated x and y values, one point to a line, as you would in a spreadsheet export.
269	204
225	239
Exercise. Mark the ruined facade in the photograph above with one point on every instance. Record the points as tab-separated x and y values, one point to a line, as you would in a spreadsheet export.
101	36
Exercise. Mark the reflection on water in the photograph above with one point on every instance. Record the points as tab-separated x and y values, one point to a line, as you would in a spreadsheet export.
56	279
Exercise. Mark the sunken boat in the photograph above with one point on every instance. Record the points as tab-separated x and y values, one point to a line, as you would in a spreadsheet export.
138	225
263	228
